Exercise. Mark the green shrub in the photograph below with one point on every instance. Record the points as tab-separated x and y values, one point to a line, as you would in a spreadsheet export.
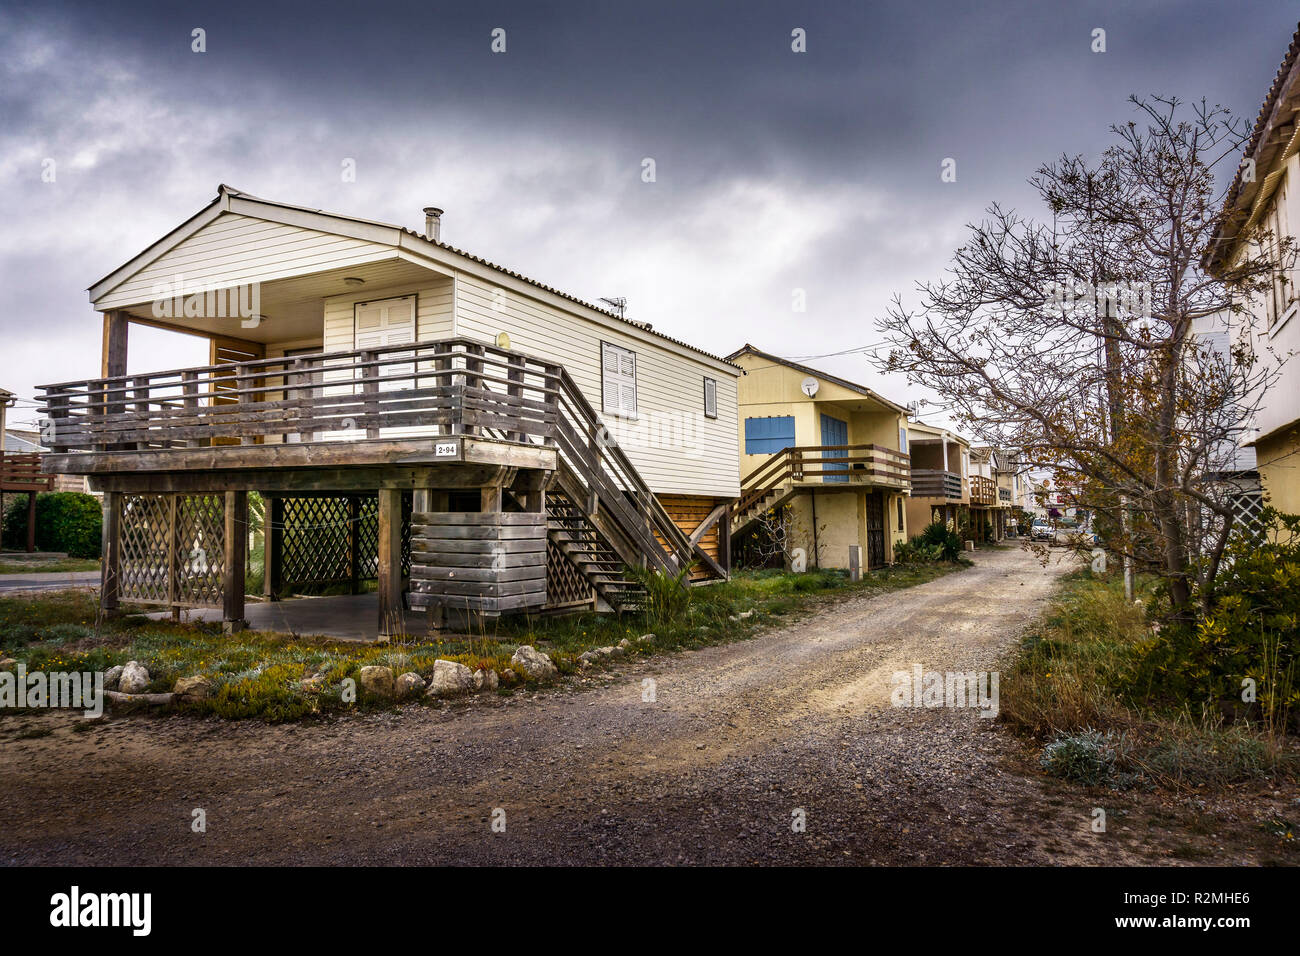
939	535
67	521
1247	633
667	597
1089	757
914	552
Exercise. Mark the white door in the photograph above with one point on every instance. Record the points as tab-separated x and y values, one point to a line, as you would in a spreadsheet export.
387	322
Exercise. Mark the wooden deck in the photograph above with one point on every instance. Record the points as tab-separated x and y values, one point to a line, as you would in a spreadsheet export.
930	483
983	491
827	468
414	425
23	472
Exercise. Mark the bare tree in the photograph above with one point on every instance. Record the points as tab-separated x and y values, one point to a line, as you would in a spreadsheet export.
1072	339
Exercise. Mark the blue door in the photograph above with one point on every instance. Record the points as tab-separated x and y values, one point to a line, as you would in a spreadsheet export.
835	432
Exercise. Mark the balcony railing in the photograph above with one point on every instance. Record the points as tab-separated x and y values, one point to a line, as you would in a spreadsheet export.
825	464
930	483
409	391
983	491
22	472
446	387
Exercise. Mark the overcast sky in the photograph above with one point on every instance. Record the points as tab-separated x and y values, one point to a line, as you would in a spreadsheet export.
775	170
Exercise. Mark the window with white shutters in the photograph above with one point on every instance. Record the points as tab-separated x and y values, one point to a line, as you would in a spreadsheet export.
386	322
618	380
710	398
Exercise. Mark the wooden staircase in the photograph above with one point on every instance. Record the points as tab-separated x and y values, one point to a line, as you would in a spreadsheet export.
793	470
601	514
745	522
570	529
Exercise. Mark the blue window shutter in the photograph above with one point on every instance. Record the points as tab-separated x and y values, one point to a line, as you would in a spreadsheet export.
767	436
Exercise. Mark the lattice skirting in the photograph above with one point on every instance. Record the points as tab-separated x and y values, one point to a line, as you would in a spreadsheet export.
173	549
324	536
565	584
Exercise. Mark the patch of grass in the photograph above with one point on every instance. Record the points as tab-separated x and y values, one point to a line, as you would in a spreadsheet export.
278	677
61	566
1067	686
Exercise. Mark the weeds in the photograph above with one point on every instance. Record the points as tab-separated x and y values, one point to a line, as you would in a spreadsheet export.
1072	685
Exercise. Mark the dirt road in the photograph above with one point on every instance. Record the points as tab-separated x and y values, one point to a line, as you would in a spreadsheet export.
737	741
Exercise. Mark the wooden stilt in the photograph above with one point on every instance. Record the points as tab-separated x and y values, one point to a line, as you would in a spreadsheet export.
31	521
236	547
273	550
111	553
390	562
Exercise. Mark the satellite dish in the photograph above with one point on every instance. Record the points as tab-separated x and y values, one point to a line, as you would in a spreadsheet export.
809	386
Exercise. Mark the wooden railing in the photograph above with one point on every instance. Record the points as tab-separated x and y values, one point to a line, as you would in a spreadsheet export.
450	386
930	483
982	490
855	464
22	472
587	446
447	387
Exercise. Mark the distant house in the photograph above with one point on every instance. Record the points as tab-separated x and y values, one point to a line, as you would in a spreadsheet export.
992	490
827	454
1263	212
476	441
19	442
941	486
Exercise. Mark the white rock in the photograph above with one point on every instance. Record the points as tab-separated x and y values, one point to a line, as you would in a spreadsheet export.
134	679
449	679
485	679
376	680
409	684
533	662
625	643
646	639
112	676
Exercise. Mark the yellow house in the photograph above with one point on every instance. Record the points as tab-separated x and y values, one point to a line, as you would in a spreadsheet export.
991	489
940	476
1264	213
825	456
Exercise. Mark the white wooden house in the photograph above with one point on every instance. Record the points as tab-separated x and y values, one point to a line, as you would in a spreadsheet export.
419	398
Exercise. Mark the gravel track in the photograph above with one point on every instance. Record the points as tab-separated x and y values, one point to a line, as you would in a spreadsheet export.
740	737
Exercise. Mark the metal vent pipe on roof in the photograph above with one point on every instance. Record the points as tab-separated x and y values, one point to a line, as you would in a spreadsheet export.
433	222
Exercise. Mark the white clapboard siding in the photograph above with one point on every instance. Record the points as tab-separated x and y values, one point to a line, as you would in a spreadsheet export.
235	250
672	444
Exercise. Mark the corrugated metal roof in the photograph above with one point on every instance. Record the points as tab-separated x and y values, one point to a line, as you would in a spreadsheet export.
18	443
1237	210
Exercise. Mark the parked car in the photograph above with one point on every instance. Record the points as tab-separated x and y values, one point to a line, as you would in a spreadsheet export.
1075	537
1040	531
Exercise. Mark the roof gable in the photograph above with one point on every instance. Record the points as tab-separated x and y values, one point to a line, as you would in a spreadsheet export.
853	387
379	240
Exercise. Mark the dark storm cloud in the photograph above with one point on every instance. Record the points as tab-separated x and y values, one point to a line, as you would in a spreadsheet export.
776	170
